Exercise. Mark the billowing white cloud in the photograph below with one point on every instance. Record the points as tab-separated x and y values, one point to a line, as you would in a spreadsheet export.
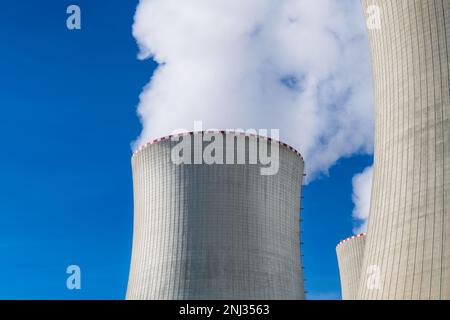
301	66
362	188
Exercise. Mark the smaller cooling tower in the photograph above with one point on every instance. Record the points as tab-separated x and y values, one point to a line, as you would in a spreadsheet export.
350	254
220	230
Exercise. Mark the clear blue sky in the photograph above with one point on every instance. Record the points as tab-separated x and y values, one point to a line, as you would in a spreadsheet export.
67	118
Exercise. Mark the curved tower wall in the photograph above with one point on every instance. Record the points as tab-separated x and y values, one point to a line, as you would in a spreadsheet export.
350	255
215	231
408	244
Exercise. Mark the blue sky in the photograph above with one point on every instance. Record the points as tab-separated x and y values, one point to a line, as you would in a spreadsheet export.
67	117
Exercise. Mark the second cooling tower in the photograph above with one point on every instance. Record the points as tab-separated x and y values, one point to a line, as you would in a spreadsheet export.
407	252
216	231
350	254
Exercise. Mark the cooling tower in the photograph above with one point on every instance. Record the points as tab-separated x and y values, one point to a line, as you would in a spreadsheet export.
407	252
216	231
350	255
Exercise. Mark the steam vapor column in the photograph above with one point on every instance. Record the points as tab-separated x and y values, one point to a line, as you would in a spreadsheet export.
216	231
407	252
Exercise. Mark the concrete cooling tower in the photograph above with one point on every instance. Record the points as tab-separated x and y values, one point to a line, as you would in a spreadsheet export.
350	255
407	252
216	231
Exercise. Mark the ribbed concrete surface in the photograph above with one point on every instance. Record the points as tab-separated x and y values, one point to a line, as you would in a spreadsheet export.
409	224
350	255
215	231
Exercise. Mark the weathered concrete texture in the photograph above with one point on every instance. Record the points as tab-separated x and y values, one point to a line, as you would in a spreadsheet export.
215	231
408	243
350	255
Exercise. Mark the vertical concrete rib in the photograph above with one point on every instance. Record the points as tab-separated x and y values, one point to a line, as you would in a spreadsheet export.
408	240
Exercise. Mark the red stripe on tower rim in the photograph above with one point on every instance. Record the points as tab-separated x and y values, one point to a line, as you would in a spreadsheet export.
237	133
351	238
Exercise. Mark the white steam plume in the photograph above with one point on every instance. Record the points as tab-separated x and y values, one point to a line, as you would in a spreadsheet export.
362	188
301	66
